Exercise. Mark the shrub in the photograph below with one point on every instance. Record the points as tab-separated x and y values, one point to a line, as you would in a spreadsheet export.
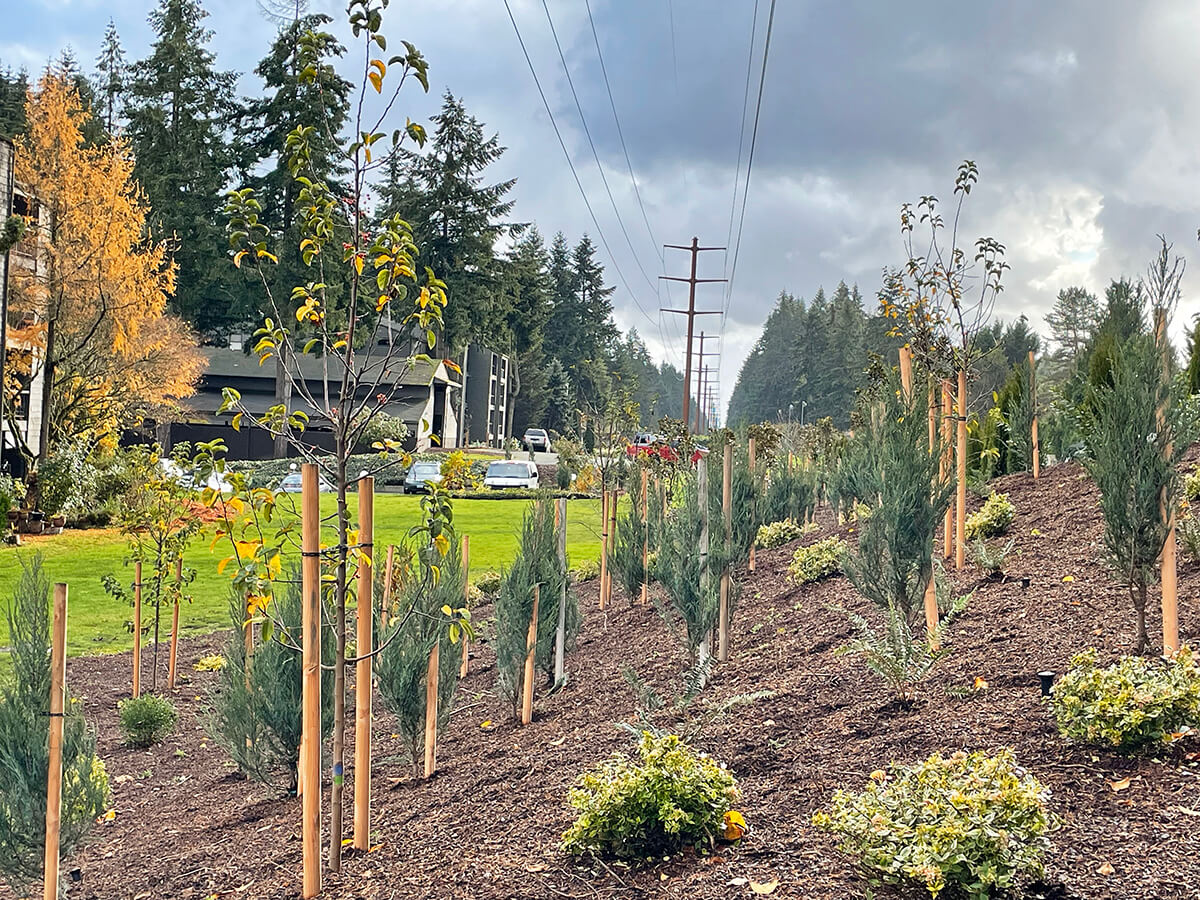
584	571
147	719
810	528
992	560
673	797
1191	485
896	654
24	742
968	821
458	474
1130	704
777	534
625	557
402	664
818	560
66	481
992	519
255	709
489	583
790	493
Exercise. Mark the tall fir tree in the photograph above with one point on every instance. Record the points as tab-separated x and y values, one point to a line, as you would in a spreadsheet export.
14	88
179	112
112	73
527	290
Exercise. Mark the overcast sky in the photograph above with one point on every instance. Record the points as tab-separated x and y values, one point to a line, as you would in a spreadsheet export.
1083	117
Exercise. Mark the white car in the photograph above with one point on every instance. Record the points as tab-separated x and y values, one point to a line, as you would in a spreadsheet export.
187	477
511	473
293	484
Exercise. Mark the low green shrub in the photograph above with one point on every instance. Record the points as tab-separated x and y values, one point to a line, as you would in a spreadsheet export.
972	822
1132	703
1191	485
489	583
992	519
810	528
817	561
584	571
671	798
777	534
147	719
897	653
992	560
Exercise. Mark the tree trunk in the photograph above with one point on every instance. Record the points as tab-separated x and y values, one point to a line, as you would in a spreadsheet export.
1139	604
47	391
339	667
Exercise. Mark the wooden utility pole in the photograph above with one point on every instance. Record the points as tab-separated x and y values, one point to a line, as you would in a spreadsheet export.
365	620
58	695
691	312
703	373
309	775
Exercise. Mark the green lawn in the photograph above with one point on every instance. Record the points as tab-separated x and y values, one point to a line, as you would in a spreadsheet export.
97	622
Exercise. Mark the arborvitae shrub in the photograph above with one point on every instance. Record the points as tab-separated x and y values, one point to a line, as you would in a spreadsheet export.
1134	703
536	562
777	534
790	493
672	797
992	519
25	743
626	556
817	560
971	822
255	711
402	665
147	719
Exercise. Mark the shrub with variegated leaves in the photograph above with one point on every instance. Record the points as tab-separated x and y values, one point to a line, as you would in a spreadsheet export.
817	561
777	534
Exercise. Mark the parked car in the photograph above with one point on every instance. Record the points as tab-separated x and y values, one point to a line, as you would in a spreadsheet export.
189	478
511	473
292	484
537	439
421	475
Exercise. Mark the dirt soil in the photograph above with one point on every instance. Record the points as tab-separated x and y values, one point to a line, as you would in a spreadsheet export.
188	827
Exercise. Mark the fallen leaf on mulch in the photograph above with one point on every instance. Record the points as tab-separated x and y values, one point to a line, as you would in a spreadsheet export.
1119	785
738	882
1068	578
980	683
766	887
1106	869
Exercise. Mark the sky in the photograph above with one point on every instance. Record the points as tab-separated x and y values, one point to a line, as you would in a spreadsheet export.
1082	116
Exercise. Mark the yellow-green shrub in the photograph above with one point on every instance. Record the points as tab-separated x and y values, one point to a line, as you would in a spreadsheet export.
970	821
993	518
817	561
458	474
672	797
1134	702
777	534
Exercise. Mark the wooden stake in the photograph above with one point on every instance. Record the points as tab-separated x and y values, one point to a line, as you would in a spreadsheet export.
727	516
960	525
431	707
702	492
58	680
1037	461
466	567
645	538
530	654
137	629
310	751
1168	570
385	601
751	451
365	616
906	372
174	653
603	545
560	633
947	407
612	531
931	612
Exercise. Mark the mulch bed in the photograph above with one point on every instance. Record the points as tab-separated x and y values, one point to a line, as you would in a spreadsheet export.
487	825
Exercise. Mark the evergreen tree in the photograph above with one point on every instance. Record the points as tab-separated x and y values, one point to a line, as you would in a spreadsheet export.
110	80
457	218
1072	320
14	88
178	116
1193	363
527	286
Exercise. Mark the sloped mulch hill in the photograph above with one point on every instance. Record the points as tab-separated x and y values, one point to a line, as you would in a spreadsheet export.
488	824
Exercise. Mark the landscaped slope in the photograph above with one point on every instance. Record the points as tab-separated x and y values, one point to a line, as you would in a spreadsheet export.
488	824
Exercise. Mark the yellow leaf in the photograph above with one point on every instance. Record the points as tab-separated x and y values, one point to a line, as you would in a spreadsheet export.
734	826
237	258
376	81
766	887
358	264
1067	579
442	543
1119	785
1106	869
223	563
980	683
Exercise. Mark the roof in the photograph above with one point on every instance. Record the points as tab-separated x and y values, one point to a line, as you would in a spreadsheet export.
227	363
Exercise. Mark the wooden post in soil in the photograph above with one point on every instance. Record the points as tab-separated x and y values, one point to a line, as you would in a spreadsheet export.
931	610
1168	571
364	639
612	541
1036	451
432	675
702	492
530	654
750	451
173	656
310	747
645	537
727	516
603	545
137	629
58	695
906	372
960	506
948	530
466	567
385	599
560	632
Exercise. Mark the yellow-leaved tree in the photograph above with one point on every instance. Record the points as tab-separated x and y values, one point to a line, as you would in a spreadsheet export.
92	310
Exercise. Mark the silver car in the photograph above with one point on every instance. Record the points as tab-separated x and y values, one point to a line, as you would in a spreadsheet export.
421	475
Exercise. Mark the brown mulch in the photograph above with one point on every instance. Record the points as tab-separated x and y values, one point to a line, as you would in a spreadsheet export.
487	825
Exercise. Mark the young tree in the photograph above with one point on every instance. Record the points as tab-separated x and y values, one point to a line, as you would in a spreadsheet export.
382	281
178	114
107	347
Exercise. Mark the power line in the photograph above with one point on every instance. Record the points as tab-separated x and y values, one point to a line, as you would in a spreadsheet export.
621	134
570	162
587	132
750	161
737	169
